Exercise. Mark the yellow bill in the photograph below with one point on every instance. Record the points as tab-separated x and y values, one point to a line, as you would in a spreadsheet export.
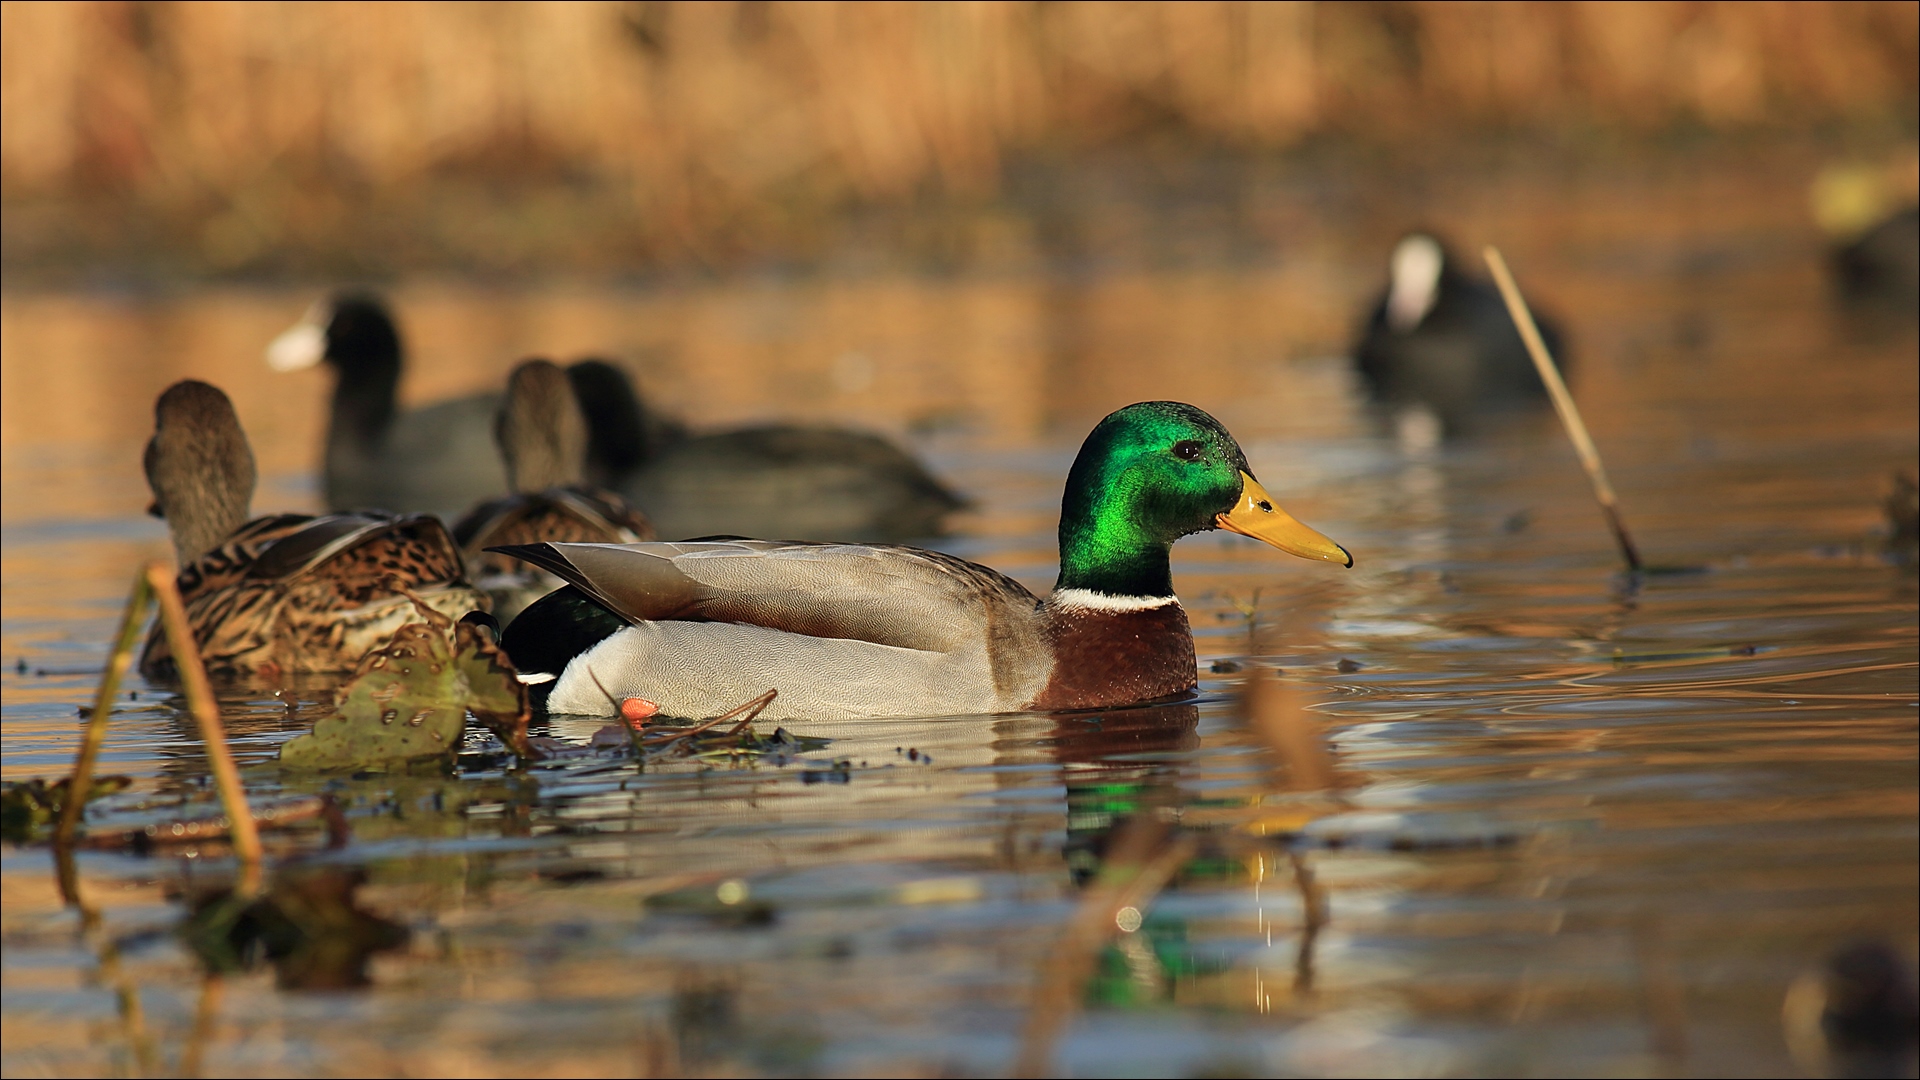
1258	516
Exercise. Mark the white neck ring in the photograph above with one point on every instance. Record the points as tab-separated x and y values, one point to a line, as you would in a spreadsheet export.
1088	600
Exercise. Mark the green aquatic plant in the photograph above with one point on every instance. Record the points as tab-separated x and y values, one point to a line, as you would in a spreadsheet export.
29	807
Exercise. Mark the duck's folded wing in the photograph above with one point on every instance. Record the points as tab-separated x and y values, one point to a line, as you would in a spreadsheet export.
322	539
887	595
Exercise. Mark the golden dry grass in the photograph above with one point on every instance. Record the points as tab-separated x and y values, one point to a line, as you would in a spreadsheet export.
699	112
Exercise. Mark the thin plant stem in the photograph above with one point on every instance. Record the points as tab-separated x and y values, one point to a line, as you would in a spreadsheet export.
752	709
78	785
1563	404
126	997
193	682
1314	915
206	1017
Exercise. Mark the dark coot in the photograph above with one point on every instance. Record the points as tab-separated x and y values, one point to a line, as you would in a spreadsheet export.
1440	337
437	459
783	481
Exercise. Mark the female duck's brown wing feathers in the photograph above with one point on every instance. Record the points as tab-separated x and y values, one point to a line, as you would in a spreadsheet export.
234	557
899	596
323	538
288	594
556	515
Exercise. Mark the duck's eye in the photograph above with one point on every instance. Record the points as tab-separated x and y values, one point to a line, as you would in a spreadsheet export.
1188	450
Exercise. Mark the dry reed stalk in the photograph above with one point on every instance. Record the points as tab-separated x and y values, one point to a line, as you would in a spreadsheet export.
1563	404
248	114
126	992
1276	711
206	1016
1143	858
118	660
245	836
126	998
1663	997
752	708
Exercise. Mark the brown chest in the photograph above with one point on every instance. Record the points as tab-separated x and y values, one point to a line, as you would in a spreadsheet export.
1108	658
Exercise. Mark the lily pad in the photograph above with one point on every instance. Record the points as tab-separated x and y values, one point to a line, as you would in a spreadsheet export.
408	701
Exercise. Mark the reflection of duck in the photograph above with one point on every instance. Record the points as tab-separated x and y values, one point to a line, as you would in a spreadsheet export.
543	441
1903	519
439	459
1442	339
806	482
287	593
1855	1016
852	630
1113	765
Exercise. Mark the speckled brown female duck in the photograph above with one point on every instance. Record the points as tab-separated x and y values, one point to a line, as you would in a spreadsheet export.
847	630
288	593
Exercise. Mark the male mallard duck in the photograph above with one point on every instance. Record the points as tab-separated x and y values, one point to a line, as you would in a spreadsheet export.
287	593
820	483
438	459
847	630
543	441
1442	338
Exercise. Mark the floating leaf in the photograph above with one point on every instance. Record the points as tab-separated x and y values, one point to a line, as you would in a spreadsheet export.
406	702
409	700
494	692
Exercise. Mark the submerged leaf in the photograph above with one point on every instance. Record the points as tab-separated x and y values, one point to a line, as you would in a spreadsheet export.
279	814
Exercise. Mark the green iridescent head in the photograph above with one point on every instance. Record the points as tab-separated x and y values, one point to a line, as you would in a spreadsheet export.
1150	474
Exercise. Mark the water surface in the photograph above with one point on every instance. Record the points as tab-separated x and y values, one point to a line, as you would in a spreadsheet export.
1587	825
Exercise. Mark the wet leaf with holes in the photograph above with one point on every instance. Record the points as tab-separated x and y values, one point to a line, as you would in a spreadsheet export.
407	702
494	692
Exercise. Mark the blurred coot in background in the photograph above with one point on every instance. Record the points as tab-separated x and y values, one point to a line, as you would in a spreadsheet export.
1440	338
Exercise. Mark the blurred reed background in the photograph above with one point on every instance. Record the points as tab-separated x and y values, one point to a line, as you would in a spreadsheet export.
331	139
